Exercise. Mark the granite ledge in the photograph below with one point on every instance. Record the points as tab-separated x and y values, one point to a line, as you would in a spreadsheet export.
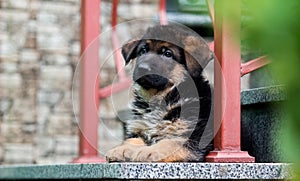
150	171
263	94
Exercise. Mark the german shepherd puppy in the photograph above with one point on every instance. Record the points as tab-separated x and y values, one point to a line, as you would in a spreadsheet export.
172	99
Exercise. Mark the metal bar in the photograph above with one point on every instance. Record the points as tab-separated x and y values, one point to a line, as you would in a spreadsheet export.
227	110
114	13
253	65
114	88
89	83
163	20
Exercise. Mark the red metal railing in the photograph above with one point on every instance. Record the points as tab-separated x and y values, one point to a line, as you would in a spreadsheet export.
227	80
123	81
253	65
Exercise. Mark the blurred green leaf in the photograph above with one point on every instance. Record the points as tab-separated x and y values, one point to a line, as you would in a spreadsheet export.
273	27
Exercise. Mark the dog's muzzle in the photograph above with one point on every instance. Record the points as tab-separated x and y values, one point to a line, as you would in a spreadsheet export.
150	75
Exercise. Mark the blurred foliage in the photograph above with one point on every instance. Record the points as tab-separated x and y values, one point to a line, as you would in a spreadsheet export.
248	52
273	27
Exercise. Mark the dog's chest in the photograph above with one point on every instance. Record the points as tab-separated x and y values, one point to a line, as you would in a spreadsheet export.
150	122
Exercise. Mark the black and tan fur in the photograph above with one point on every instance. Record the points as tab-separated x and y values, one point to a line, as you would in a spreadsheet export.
172	99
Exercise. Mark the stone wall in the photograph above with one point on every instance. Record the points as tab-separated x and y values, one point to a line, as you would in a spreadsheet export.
39	51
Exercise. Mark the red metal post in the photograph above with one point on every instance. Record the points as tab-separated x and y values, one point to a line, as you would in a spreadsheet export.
227	110
163	20
89	82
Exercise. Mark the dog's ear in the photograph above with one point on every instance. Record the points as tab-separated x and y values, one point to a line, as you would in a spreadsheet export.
197	55
129	50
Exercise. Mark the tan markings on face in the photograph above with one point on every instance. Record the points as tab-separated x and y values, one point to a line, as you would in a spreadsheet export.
176	52
157	46
173	48
177	75
197	53
192	43
148	41
164	44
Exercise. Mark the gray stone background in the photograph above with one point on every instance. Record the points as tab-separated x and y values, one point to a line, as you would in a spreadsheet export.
39	51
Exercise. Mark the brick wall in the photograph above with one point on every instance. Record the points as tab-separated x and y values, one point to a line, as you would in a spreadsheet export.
39	51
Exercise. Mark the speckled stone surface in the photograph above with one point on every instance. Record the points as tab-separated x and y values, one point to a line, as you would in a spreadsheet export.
263	95
150	171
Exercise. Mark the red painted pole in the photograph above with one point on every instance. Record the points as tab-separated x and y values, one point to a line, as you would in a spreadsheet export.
227	110
163	20
89	82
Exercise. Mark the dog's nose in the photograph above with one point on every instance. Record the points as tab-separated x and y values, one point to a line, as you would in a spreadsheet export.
144	67
148	75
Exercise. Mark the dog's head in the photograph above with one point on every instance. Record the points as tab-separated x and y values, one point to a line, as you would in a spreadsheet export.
165	55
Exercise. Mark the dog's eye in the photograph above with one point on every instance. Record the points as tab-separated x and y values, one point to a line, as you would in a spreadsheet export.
168	54
143	50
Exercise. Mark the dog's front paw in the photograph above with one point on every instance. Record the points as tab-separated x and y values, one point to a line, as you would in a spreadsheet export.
168	150
148	154
120	154
125	151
